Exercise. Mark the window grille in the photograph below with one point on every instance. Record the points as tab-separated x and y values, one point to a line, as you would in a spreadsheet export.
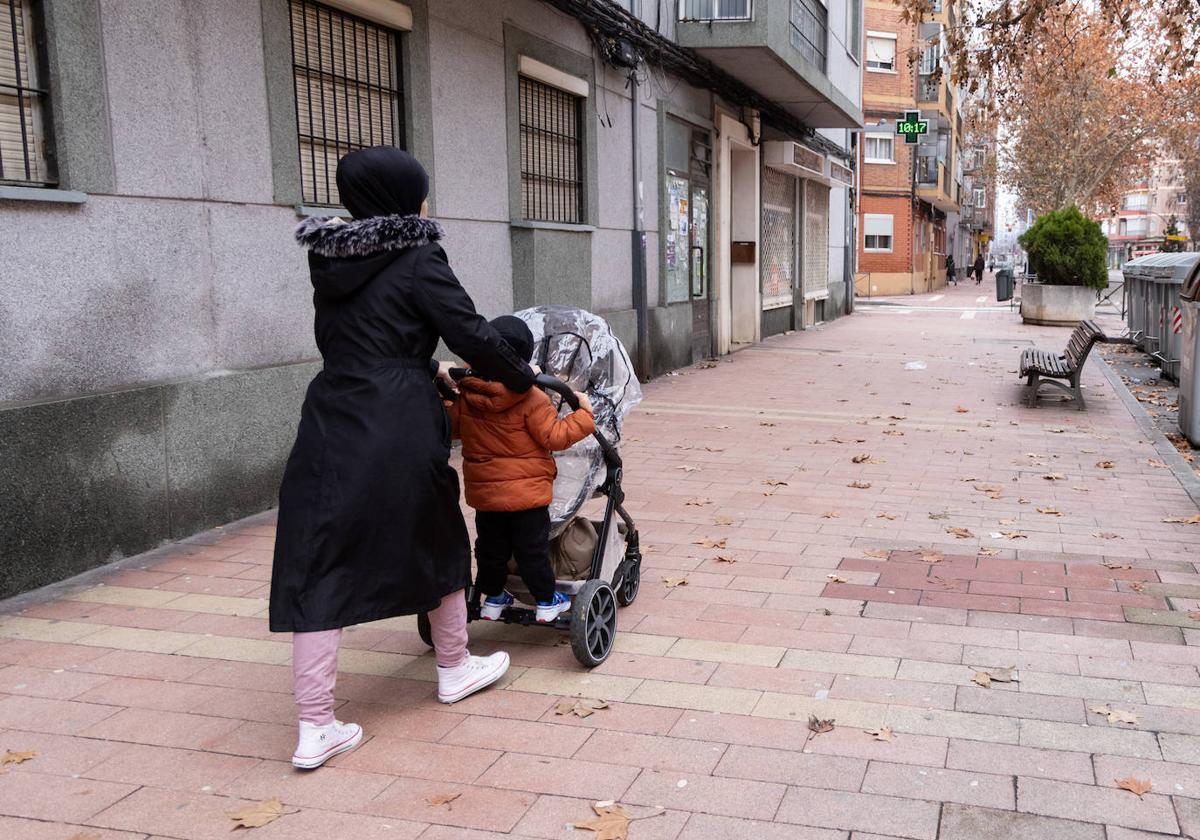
778	238
816	238
348	92
551	153
810	26
23	158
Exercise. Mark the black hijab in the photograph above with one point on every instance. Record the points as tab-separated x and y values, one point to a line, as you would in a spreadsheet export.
381	181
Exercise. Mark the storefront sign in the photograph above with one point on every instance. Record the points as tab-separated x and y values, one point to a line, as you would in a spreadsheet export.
912	127
841	174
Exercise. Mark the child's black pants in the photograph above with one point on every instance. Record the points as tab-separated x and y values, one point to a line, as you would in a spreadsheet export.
523	534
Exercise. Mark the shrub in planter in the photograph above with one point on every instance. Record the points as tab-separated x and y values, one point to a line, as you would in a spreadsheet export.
1067	249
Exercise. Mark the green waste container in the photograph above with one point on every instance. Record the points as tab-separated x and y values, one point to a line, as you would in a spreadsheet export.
1004	284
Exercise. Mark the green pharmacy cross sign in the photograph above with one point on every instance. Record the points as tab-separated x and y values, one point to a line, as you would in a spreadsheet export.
912	127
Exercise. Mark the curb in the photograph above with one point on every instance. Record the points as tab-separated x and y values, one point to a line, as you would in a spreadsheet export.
1166	450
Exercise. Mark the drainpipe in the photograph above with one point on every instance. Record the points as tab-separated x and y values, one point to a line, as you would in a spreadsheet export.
641	296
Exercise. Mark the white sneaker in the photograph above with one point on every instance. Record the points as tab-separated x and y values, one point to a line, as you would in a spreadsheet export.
475	673
318	744
548	611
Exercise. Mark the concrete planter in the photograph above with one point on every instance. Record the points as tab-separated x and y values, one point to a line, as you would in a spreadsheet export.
1056	306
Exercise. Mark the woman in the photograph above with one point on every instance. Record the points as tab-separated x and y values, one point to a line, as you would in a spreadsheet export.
369	518
950	269
978	269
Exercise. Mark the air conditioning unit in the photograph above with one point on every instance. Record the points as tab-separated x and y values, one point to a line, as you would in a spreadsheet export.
795	159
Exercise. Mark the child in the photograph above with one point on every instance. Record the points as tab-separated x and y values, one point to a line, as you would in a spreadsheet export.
509	475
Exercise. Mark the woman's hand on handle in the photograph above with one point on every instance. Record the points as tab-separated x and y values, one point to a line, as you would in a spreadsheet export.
443	374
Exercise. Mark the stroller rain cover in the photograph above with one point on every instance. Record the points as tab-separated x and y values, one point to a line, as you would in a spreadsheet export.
580	348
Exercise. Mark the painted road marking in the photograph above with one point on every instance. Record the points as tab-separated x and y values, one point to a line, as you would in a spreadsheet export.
968	315
936	298
981	299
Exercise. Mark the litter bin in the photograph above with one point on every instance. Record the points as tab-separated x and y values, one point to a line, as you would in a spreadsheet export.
1004	284
1189	358
1153	284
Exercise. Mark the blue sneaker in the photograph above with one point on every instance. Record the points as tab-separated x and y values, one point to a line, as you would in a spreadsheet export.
547	611
494	606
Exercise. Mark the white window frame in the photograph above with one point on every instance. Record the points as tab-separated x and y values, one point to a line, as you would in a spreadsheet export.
855	43
878	219
979	197
875	135
880	36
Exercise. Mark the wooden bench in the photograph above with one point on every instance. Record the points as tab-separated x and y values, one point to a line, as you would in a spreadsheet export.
1040	367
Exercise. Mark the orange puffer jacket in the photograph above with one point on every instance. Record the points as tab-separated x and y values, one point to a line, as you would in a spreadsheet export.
507	439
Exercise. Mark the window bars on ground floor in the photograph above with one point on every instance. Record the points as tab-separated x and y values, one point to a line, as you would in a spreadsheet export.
551	153
349	92
23	152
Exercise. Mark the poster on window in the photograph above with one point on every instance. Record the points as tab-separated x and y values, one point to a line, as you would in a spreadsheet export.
675	241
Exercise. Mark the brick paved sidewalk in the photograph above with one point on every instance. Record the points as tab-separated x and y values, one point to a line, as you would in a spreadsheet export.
156	700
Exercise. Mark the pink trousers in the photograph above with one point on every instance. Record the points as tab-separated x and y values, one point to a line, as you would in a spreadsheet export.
314	657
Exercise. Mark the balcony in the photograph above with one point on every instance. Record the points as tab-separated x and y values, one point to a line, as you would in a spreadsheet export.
934	184
776	47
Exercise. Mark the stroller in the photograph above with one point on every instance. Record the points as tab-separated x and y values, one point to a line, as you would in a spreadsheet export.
577	351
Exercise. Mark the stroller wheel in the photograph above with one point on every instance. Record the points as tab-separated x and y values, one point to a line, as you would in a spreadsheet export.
628	592
593	623
423	628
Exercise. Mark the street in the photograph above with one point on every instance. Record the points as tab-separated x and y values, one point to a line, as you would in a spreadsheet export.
862	522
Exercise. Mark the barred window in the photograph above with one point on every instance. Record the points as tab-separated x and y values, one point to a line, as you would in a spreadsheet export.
348	92
551	153
23	153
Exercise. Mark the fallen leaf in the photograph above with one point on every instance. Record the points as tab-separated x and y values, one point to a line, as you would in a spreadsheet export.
989	552
765	423
714	449
1115	715
817	726
722	520
881	553
961	533
893	432
725	558
1137	586
835	578
1105	465
697	502
861	459
773	482
708	542
11	757
1107	535
649	549
1049	511
580	707
1133	785
719	428
944	583
883	733
672	582
1194	615
611	822
860	485
982	678
258	814
830	514
962	410
1014	535
888	516
1184	520
942	515
1113	564
1003	675
1054	476
1154	462
932	556
687	468
989	488
1056	431
443	799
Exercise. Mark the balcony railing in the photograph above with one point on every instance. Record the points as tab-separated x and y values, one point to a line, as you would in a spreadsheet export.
810	30
714	10
928	88
927	170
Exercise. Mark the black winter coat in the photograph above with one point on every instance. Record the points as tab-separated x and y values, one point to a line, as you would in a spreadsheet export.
369	517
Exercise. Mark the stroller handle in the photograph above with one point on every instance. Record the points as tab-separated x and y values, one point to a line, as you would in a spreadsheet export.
553	383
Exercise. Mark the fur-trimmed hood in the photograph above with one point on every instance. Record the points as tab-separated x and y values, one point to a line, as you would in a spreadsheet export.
335	237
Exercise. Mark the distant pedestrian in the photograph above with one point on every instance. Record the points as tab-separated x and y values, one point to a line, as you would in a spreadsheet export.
950	270
979	269
369	521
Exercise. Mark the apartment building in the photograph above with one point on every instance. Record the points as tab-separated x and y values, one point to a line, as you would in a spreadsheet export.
683	168
910	184
1140	224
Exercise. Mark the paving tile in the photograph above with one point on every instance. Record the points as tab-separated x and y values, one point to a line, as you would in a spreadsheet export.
23	829
57	755
1088	739
164	729
1179	696
559	776
954	724
38	714
738	729
1096	804
516	736
709	826
57	684
653	752
575	683
437	762
706	794
137	638
966	822
622	717
43	630
906	649
42	797
792	767
1014	760
902	692
1019	704
156	666
741	654
1066	685
705	698
840	663
550	815
799	707
968	787
907	818
175	769
1168	778
340	788
484	808
1126	669
851	742
1182	748
769	679
194	816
